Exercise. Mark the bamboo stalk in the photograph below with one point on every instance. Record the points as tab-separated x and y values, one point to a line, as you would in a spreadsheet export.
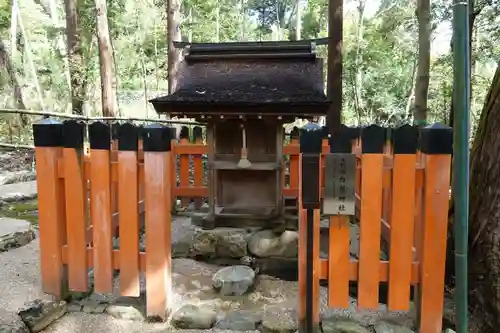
72	116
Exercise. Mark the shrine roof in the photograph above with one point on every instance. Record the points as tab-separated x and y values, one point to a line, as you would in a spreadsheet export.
247	77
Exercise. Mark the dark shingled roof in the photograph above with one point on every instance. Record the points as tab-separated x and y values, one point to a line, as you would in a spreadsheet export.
271	79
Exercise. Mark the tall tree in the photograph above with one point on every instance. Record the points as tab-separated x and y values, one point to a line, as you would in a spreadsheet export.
174	35
484	217
75	56
108	93
424	60
334	78
6	63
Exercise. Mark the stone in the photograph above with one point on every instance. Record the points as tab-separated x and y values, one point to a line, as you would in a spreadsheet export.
336	324
203	243
127	308
10	322
387	327
98	298
233	280
449	330
239	321
220	242
15	233
94	308
74	307
18	192
279	320
15	327
265	243
192	316
39	314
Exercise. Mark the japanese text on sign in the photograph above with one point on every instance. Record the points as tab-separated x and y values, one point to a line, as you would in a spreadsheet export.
340	180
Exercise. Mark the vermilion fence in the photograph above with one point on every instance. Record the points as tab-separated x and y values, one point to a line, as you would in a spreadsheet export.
85	198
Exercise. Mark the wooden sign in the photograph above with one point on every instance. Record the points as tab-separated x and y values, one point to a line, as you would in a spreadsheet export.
340	184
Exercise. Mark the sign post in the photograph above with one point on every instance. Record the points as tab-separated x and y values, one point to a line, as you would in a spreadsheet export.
310	153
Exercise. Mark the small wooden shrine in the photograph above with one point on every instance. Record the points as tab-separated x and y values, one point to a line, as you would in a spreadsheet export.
244	93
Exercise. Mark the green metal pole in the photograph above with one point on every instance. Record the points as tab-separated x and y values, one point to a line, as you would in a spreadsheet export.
461	102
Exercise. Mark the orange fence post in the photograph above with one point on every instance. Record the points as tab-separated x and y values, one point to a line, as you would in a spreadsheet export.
198	165
157	185
373	140
184	164
114	148
339	237
293	168
128	209
76	204
436	146
100	209
51	207
402	213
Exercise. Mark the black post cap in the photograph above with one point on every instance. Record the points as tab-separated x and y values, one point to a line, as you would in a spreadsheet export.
114	130
184	134
405	139
436	139
373	139
311	137
140	128
156	138
294	134
197	132
73	133
354	132
128	137
99	136
48	133
340	142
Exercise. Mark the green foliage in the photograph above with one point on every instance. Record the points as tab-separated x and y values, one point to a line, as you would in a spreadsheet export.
385	57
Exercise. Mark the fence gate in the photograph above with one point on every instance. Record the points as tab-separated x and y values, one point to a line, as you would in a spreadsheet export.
398	187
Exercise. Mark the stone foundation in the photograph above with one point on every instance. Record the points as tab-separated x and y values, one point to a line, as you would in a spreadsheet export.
271	251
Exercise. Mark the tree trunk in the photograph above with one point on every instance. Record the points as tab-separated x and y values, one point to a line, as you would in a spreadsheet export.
358	84
5	62
334	78
108	93
298	21
174	34
75	57
424	61
484	214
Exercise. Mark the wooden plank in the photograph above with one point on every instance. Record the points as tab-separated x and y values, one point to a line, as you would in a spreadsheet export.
436	202
371	214
316	265
382	269
190	149
51	221
128	175
157	177
100	213
294	169
338	262
198	168
184	172
401	245
76	219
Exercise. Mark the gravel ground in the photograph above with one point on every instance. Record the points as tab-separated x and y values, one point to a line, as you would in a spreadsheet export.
192	284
